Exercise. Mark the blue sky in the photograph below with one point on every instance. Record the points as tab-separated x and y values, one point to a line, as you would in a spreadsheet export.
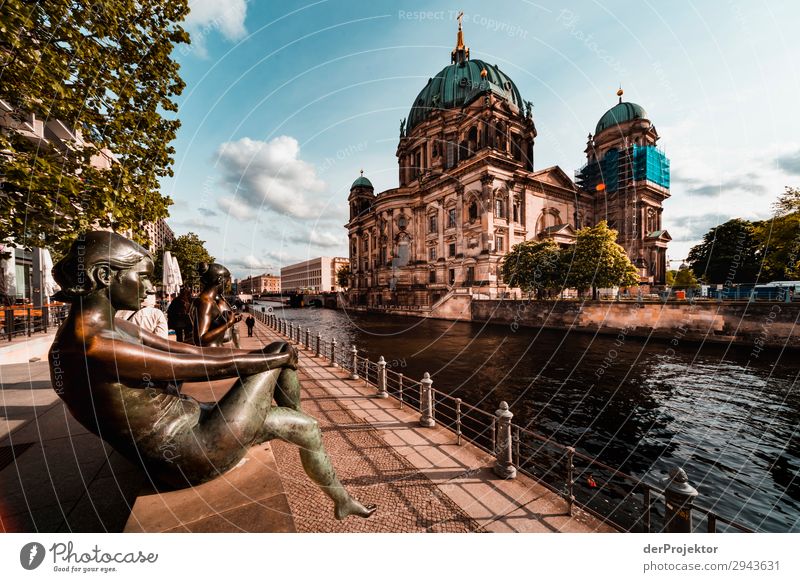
286	101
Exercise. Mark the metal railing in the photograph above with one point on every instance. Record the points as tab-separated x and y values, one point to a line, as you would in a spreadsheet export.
25	320
626	502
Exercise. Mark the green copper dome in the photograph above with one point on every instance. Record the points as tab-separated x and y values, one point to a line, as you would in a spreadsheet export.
620	113
459	84
362	182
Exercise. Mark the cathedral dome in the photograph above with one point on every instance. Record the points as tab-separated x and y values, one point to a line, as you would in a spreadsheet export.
459	84
620	113
361	182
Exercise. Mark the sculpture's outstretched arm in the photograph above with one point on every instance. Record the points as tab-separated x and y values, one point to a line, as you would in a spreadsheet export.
129	361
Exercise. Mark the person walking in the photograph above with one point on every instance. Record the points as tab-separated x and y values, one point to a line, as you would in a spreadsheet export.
250	322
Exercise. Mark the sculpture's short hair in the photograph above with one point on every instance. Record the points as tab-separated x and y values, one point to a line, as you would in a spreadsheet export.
75	272
212	274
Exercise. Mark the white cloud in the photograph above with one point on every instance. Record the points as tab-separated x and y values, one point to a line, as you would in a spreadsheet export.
268	175
319	238
226	16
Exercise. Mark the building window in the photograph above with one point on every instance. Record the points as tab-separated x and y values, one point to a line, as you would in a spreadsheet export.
451	249
470	275
432	253
451	274
473	211
498	244
451	155
499	208
433	223
432	277
451	218
402	222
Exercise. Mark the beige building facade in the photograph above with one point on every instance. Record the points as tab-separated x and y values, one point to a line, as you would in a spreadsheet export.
468	192
260	284
315	275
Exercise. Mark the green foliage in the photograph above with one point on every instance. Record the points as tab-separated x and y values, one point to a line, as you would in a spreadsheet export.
534	266
671	277
685	279
596	260
343	276
101	68
188	250
730	253
779	238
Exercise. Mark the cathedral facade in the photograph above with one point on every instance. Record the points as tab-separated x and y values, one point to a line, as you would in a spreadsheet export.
469	191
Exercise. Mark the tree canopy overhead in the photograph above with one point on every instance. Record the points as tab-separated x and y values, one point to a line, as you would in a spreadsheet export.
100	77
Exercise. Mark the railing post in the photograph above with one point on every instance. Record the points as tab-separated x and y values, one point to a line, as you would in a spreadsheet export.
426	419
354	371
400	387
382	392
458	421
308	341
333	352
45	317
570	479
504	465
29	322
319	339
678	498
10	323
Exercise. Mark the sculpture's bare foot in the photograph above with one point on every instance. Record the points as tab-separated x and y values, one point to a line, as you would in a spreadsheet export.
353	507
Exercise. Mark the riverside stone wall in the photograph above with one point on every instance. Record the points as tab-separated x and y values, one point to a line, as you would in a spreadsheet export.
757	324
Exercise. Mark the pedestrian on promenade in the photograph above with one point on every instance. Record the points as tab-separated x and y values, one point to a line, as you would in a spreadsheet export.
149	317
250	322
178	315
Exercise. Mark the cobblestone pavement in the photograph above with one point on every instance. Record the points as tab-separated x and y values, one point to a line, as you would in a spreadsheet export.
371	469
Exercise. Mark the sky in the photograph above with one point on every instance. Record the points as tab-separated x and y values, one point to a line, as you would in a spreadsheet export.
285	103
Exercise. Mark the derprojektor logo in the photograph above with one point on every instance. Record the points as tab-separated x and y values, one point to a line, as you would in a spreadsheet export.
31	555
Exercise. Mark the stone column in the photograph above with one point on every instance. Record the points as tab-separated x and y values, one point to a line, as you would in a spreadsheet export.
678	498
382	392
504	465
354	370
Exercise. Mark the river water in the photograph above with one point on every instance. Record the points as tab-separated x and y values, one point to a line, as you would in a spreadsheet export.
729	418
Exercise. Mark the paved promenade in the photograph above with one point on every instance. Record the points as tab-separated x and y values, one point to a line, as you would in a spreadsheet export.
55	476
420	479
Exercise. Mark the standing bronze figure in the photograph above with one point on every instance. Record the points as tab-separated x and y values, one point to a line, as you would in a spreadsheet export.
213	320
119	381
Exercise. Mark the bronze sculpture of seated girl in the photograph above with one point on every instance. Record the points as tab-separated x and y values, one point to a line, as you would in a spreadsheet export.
118	380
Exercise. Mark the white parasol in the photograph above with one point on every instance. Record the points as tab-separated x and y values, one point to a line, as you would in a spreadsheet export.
49	285
177	272
168	274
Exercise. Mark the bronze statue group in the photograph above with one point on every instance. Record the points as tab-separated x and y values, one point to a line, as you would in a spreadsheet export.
123	382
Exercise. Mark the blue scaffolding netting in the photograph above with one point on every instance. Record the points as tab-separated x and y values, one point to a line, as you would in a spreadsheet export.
649	163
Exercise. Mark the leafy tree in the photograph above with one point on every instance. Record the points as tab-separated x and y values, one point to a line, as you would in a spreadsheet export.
685	279
779	239
728	254
534	266
596	260
671	277
343	276
188	250
102	70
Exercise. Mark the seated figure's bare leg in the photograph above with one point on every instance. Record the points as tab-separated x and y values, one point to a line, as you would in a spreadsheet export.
300	429
287	392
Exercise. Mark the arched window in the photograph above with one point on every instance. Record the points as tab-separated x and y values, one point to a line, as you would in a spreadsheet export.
499	207
549	217
473	211
472	140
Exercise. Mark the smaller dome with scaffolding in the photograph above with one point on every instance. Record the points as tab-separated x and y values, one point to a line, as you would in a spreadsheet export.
620	113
